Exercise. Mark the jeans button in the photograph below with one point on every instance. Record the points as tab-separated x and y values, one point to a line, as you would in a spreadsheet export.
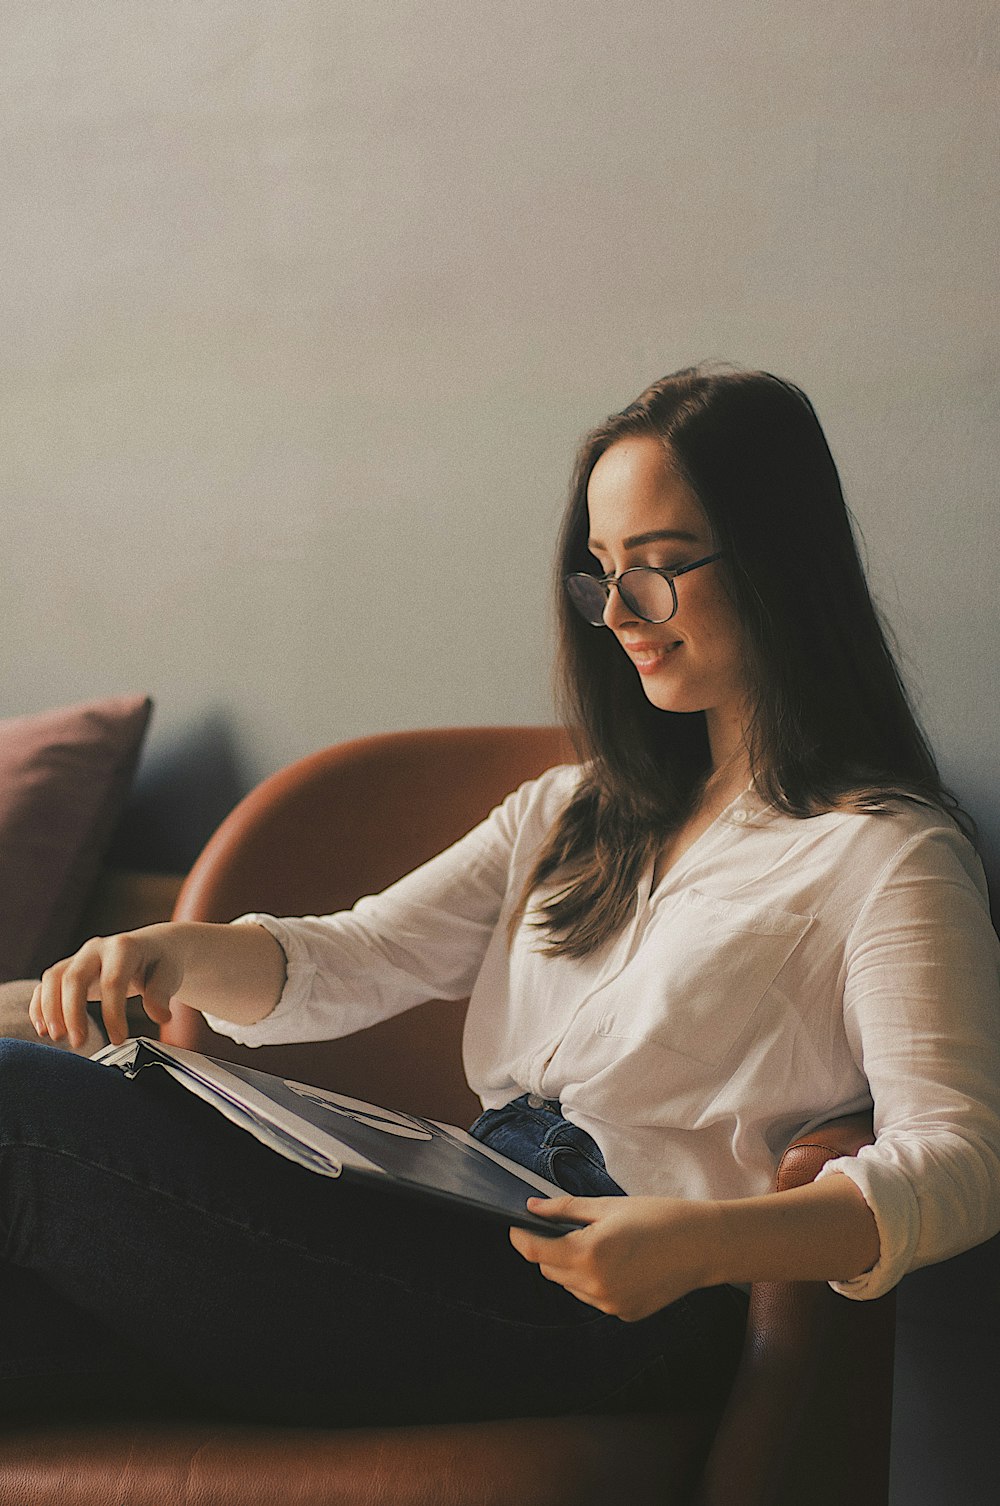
534	1102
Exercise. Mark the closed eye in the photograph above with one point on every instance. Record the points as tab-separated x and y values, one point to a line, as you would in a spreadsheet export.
670	565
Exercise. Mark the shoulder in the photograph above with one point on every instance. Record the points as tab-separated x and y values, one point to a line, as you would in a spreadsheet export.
910	831
540	802
910	845
875	834
930	860
842	858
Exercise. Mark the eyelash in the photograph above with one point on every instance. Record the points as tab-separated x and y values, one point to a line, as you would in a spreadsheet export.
667	565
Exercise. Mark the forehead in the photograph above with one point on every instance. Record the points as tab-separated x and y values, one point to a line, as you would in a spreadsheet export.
633	490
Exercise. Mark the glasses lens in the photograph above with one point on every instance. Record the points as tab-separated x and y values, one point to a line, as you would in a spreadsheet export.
588	596
647	594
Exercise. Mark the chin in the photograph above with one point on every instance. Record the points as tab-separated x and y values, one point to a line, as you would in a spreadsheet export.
681	705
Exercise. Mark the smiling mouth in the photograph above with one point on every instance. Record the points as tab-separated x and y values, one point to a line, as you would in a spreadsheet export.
647	658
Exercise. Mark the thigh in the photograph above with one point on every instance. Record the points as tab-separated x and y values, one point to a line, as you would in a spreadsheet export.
59	1361
278	1294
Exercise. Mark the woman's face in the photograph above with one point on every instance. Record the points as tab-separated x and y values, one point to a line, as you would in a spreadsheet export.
642	513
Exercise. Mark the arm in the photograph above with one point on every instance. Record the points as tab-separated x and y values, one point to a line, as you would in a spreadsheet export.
922	1018
637	1254
313	978
922	1015
424	937
238	970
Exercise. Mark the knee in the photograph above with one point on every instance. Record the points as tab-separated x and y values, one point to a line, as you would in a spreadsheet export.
17	1055
32	1080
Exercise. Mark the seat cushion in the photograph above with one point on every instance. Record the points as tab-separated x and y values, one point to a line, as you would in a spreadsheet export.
570	1461
14	1023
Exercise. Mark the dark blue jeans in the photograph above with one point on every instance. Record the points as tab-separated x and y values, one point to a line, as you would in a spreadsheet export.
533	1132
156	1259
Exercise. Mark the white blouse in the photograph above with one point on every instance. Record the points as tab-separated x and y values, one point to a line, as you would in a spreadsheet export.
782	972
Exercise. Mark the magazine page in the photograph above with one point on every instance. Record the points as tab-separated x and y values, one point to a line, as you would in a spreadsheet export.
286	1144
330	1132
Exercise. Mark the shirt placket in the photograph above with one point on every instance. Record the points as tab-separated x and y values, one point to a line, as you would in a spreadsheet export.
610	970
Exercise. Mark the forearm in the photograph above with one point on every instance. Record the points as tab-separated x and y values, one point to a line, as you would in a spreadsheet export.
637	1254
235	972
824	1231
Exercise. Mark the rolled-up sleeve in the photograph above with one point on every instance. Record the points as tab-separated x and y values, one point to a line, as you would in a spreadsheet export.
423	938
922	1013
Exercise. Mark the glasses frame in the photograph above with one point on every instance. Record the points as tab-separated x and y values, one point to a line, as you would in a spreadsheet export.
668	572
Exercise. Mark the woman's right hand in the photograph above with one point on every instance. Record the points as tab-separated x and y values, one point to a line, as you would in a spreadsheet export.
109	969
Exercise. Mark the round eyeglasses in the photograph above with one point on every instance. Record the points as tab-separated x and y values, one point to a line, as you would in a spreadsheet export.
645	590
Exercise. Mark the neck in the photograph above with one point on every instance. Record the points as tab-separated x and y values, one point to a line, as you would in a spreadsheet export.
729	753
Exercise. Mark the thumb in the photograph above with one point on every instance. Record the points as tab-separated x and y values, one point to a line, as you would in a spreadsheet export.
577	1208
156	1003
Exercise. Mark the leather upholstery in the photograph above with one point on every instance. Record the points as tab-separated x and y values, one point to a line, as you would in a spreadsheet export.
558	1462
345	822
807	1421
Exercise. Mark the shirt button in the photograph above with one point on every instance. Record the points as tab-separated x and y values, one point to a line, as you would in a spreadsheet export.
740	817
534	1102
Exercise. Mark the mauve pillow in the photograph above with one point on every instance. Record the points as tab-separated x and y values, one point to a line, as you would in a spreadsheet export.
64	778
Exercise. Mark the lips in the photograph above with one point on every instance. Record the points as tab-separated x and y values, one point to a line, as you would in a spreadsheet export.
648	657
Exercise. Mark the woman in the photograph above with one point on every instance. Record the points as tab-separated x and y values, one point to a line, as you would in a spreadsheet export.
748	909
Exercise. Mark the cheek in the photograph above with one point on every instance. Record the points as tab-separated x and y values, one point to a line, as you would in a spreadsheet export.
715	631
728	630
708	612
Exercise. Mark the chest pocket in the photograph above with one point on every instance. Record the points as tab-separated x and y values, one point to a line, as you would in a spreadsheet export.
700	973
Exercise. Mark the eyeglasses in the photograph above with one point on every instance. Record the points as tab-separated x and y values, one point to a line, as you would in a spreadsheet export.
648	592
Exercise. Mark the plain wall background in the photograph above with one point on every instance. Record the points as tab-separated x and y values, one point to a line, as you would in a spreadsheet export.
305	304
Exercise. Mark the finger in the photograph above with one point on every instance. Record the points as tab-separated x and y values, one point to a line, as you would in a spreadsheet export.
553	1205
568	1281
117	980
556	1253
524	1243
533	1247
580	1210
80	978
35	1011
50	1003
156	1003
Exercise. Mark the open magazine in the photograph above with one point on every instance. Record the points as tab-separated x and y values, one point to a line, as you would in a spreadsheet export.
334	1135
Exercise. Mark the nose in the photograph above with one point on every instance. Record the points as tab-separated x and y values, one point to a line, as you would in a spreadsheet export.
615	611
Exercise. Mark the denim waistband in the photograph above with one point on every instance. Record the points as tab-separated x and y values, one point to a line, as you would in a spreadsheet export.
534	1132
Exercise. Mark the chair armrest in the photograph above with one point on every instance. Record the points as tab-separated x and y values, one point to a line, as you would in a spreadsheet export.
809	1414
15	997
804	1158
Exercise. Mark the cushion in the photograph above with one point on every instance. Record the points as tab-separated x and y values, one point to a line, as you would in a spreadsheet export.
64	778
14	1023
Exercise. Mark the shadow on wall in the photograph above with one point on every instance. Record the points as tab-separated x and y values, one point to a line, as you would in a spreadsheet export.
945	1401
182	792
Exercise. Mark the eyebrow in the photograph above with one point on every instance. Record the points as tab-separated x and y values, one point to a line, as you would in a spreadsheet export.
654	537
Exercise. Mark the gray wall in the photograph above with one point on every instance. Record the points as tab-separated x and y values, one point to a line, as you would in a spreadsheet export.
304	305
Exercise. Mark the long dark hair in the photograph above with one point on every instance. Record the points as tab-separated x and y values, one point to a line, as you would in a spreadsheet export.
832	726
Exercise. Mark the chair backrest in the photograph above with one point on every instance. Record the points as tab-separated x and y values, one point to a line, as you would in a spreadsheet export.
808	1417
342	823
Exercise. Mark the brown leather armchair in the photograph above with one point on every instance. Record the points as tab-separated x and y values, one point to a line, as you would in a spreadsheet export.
807	1421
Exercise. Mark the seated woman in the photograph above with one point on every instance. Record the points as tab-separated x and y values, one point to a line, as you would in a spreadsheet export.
748	908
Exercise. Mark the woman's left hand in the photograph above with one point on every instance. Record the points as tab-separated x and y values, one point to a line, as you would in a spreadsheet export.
635	1255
